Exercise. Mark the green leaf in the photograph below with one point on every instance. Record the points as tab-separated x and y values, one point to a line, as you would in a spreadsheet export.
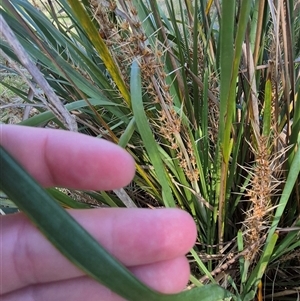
202	267
126	136
65	200
292	177
48	115
261	266
147	135
267	108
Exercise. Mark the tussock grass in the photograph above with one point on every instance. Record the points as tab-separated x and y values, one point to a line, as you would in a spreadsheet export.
213	123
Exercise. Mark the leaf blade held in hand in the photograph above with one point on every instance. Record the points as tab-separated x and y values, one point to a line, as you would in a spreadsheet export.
79	247
75	243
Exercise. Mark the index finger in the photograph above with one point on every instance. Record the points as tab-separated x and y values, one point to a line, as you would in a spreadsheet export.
68	159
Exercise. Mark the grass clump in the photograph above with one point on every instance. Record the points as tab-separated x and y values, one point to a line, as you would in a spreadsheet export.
213	122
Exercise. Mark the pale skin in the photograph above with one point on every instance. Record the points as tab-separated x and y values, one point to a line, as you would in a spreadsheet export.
151	243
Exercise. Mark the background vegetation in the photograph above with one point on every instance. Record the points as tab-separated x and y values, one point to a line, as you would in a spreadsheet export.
203	94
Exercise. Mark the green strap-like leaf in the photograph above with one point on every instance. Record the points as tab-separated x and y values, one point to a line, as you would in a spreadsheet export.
268	108
48	115
147	135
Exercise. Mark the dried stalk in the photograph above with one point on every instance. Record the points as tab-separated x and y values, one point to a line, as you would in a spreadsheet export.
52	102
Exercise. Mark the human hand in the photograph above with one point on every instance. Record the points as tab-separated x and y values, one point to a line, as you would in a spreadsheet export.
151	243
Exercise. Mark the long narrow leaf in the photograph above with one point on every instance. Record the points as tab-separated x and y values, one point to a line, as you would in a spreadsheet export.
147	136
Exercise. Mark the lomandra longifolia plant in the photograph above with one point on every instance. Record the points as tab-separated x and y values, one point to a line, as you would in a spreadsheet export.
205	97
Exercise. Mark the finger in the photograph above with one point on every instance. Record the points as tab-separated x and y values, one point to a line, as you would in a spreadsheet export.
67	159
135	237
167	277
